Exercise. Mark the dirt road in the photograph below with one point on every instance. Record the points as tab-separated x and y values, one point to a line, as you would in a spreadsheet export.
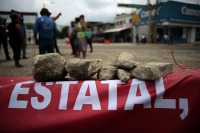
184	54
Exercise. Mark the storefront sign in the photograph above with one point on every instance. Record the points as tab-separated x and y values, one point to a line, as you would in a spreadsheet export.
145	14
171	11
190	12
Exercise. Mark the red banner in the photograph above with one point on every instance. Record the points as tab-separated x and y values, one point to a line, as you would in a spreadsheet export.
168	105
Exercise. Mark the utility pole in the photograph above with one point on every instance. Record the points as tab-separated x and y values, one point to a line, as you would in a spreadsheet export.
49	2
155	23
137	7
149	24
132	29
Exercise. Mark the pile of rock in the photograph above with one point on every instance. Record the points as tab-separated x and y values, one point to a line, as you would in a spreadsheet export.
53	67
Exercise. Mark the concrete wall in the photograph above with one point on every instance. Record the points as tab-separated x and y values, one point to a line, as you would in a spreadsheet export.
189	34
193	34
140	30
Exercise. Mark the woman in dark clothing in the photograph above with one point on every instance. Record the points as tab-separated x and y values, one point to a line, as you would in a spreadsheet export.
16	38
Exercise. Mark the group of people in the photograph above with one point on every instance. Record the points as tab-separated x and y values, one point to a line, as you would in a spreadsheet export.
79	37
77	32
45	26
167	38
143	38
17	36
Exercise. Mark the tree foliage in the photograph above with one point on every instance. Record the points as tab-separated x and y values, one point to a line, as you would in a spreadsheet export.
90	25
63	33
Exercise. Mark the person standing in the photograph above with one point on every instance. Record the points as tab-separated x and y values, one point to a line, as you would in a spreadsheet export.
24	34
166	38
143	37
70	30
158	38
16	38
29	39
55	41
3	37
75	39
88	34
137	38
81	27
46	28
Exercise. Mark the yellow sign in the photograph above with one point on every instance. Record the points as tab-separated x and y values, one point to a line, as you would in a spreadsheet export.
136	18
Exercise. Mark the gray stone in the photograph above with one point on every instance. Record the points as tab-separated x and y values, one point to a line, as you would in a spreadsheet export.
107	73
124	60
151	70
79	69
123	75
48	67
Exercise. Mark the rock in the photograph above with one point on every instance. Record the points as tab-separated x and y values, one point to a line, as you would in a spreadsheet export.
83	69
107	73
123	75
151	70
124	60
48	67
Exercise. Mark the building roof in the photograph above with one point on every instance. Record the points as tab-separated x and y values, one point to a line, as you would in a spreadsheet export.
103	23
24	13
115	30
122	15
29	17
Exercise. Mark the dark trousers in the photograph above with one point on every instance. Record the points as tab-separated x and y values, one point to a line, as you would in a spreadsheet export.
166	40
89	41
170	42
5	46
16	50
72	45
144	40
56	46
46	45
23	49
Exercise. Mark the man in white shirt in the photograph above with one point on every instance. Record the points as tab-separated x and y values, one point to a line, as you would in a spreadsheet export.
143	37
166	38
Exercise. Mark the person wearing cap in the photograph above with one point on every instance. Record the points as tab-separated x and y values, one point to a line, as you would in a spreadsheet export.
81	28
46	28
16	38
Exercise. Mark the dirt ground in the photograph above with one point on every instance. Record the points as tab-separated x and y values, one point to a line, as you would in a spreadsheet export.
148	53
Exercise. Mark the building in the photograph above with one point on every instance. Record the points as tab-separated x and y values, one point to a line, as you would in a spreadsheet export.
29	20
182	20
98	31
122	31
101	27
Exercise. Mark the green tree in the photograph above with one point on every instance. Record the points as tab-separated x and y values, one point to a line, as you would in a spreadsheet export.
90	25
63	33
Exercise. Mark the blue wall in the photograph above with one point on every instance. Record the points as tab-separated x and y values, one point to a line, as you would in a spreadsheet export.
171	11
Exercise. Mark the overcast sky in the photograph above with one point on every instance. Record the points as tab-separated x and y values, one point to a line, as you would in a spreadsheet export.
94	10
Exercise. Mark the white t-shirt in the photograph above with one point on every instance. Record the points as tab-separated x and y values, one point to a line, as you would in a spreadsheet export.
143	36
166	37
